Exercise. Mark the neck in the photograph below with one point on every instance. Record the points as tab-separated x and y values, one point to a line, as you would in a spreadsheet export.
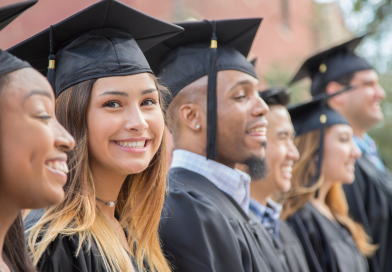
8	214
201	150
107	188
260	190
359	132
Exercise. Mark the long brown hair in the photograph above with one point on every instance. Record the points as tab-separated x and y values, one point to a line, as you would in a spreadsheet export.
139	202
14	248
303	171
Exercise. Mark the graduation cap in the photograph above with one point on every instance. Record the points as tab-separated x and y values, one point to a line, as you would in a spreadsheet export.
279	95
317	115
332	65
204	48
106	39
9	63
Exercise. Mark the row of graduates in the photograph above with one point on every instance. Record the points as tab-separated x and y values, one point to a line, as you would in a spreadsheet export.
117	210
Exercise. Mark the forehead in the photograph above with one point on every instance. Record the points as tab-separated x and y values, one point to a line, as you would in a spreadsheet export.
227	79
23	81
279	118
140	81
366	75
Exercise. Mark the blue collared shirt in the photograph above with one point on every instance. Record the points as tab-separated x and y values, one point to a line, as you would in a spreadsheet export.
369	149
269	216
233	182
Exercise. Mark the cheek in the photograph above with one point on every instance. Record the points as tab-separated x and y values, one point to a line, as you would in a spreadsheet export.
156	124
335	160
23	164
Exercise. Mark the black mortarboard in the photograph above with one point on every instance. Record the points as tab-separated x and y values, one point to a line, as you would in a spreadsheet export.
9	63
106	39
204	48
316	115
278	95
332	65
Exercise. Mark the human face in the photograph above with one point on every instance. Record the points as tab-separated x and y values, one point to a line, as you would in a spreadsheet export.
33	162
242	125
125	123
363	103
340	154
281	152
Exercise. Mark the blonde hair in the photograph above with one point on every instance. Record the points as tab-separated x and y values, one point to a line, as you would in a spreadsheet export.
303	171
139	202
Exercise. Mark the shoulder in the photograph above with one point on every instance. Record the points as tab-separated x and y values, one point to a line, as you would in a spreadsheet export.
64	254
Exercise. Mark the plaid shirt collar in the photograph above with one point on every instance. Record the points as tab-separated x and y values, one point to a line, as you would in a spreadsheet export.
269	216
233	182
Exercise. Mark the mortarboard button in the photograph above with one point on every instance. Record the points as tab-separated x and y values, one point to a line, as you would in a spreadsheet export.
323	68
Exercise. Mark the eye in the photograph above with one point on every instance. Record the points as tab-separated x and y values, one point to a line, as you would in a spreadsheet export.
240	97
112	104
44	117
149	102
344	139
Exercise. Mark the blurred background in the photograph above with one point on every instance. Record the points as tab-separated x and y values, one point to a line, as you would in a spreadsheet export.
291	31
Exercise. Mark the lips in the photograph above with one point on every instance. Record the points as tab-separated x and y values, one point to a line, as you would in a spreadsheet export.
258	129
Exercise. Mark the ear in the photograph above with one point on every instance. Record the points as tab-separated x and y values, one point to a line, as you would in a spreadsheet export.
334	87
191	116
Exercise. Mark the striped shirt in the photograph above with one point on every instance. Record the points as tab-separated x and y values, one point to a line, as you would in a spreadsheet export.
233	182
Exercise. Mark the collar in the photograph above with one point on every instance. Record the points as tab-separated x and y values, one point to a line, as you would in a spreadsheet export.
273	208
233	182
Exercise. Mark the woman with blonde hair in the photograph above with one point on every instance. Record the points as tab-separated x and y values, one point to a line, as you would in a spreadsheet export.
316	206
109	100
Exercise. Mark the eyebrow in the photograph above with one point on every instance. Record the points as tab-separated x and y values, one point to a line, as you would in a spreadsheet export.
149	91
114	93
125	94
37	92
243	82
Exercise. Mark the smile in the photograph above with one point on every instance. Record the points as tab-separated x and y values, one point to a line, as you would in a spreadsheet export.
258	129
58	165
138	144
286	169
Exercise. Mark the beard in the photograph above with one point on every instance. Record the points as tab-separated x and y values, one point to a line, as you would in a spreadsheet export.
257	167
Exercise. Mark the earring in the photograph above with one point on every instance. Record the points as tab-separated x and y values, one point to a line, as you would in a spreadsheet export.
197	126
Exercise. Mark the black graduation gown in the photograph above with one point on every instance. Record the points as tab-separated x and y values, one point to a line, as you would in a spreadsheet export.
204	229
59	256
328	246
292	248
370	203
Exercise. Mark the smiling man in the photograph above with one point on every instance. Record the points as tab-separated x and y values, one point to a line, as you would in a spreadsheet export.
369	197
281	154
217	120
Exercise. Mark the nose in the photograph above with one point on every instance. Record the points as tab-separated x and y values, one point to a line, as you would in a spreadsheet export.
355	151
380	92
292	152
63	140
134	120
260	108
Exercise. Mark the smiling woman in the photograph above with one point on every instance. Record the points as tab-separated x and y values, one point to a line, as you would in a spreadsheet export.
109	100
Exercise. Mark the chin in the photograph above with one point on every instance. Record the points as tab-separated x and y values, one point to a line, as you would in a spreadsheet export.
349	179
284	186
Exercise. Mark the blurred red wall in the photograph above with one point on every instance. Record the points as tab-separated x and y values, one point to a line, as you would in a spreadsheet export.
289	31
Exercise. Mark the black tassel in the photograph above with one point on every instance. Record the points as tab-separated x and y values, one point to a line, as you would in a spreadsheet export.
51	75
323	120
212	99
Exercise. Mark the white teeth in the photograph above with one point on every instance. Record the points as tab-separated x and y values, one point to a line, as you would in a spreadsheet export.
58	165
139	144
259	129
287	169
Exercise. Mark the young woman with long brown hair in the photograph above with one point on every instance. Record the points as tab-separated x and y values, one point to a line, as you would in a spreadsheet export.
316	206
110	102
33	166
